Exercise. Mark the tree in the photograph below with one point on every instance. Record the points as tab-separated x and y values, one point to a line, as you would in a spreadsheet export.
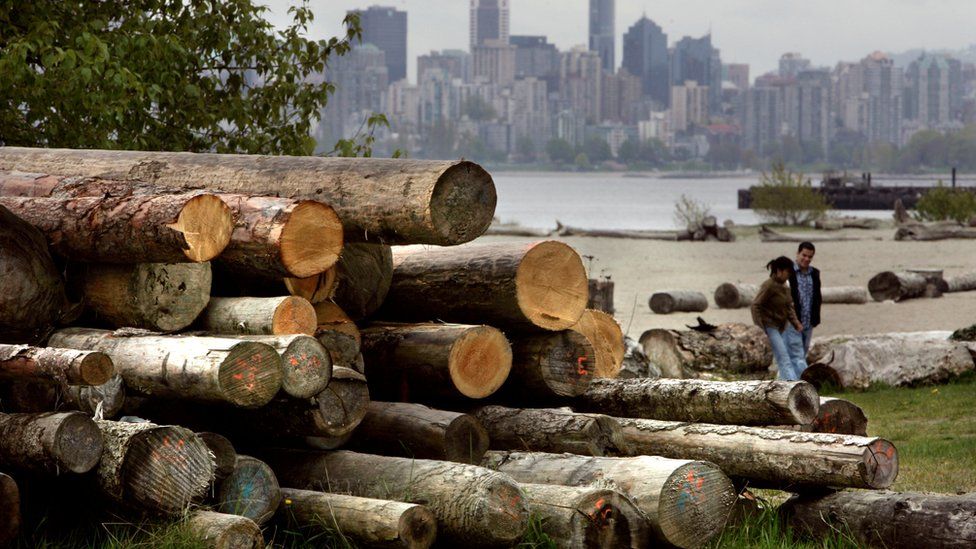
183	75
945	203
524	149
560	151
582	161
629	151
654	152
597	150
787	198
478	109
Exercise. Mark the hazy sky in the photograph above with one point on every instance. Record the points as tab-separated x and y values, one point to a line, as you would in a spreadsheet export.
747	31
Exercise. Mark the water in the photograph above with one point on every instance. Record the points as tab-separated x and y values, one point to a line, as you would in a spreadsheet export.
616	201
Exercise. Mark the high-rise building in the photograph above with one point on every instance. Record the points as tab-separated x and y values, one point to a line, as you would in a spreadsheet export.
934	90
535	57
580	82
386	28
791	64
530	112
494	61
689	106
694	59
456	63
489	21
602	37
646	57
762	118
619	94
738	74
361	79
813	108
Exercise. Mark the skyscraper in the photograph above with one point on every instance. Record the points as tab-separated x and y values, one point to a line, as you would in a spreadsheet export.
386	28
694	59
790	64
646	57
489	21
934	90
601	32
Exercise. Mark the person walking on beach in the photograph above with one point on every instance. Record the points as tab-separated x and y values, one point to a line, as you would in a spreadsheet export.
774	312
805	287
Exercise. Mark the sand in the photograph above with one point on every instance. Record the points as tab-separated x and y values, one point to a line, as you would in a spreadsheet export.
639	268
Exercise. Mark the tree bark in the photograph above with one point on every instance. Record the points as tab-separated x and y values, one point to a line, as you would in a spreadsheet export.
413	430
668	302
130	229
210	369
369	522
551	430
856	362
9	509
155	468
363	275
607	340
337	333
49	442
845	294
686	502
732	349
435	361
581	517
259	316
225	456
896	286
767	458
734	403
395	201
306	365
251	490
541	285
836	416
223	531
897	520
33	297
59	366
153	296
473	506
965	282
735	296
546	366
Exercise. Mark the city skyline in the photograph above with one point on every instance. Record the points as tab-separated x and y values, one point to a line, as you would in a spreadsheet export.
740	29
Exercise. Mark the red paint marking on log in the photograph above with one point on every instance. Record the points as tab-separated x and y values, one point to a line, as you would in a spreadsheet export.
580	368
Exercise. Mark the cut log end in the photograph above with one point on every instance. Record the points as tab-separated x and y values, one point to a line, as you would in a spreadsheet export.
223	531
166	468
250	491
225	456
311	239
885	286
549	265
206	224
480	361
10	503
417	528
79	443
294	315
803	402
466	441
821	375
881	464
306	367
505	511
462	204
606	515
316	289
96	368
343	403
700	486
250	375
607	339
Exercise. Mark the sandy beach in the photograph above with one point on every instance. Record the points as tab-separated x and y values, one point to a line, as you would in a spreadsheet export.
641	267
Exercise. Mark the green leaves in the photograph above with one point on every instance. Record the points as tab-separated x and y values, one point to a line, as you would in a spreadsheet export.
786	198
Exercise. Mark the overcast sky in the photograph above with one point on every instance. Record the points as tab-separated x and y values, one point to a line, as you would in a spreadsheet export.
756	32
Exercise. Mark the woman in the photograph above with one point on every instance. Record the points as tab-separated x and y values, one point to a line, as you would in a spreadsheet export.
773	311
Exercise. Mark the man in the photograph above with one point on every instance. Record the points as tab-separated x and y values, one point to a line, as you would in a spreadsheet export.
805	287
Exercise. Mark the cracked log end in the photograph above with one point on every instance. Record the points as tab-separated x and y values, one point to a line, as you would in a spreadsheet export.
316	288
311	239
803	402
294	315
880	464
462	204
78	443
551	285
206	223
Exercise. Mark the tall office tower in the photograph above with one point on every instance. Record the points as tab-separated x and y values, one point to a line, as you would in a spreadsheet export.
456	63
762	118
934	90
689	106
813	108
792	63
386	28
601	32
646	57
494	60
535	57
738	74
489	21
580	82
361	79
694	59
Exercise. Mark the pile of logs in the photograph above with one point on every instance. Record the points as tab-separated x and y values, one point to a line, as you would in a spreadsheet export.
239	337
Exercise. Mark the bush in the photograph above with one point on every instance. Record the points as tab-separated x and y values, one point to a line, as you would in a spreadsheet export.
945	203
688	211
785	198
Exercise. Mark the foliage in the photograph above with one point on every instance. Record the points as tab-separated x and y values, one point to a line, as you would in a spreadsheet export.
945	203
524	149
688	211
629	151
582	161
767	530
560	151
478	109
597	150
361	144
183	75
786	198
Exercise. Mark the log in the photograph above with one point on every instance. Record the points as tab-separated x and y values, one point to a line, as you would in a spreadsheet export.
222	531
258	316
671	301
414	430
33	297
473	506
601	295
251	490
366	521
306	365
394	201
210	369
769	235
514	229
60	366
321	287
130	229
607	340
337	333
733	349
547	366
898	520
856	362
733	403
836	416
897	286
344	403
363	276
105	400
928	233
635	363
564	230
847	222
844	294
551	430
735	296
767	458
587	516
965	282
435	361
225	456
49	442
540	285
156	468
686	502
9	509
153	296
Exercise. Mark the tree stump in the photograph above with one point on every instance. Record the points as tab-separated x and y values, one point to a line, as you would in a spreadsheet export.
683	301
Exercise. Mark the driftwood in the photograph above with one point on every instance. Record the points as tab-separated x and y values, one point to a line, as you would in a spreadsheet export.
846	222
735	296
49	442
895	520
514	229
564	230
938	232
551	430
223	531
898	286
965	282
635	363
663	303
52	365
736	403
574	516
251	490
854	295
731	349
769	235
607	340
